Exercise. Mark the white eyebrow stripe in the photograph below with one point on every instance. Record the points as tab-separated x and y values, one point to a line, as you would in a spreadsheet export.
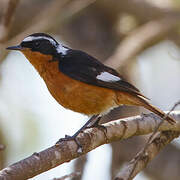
32	38
108	77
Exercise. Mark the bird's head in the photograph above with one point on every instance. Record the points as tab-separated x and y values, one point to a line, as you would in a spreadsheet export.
40	44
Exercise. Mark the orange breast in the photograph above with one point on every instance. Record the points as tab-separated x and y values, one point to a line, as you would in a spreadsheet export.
70	93
78	96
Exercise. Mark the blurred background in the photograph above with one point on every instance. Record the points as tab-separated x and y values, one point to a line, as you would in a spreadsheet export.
140	38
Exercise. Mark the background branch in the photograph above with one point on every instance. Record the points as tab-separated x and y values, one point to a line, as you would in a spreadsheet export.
151	151
89	139
72	175
7	19
41	24
142	38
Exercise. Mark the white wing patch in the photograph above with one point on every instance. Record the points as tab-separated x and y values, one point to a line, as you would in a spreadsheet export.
108	77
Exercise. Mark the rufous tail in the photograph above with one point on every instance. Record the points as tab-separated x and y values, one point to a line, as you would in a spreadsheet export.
138	100
157	111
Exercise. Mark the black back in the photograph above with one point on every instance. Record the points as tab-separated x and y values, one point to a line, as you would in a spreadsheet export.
85	68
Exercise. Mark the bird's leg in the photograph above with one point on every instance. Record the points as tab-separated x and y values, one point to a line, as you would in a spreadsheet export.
97	125
68	138
152	115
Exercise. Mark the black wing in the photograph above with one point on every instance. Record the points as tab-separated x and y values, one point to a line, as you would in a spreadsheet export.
85	68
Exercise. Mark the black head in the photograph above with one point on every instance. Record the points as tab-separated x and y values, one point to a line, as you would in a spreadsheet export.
41	42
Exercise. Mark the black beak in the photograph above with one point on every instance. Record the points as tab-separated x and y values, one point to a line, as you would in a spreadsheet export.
18	48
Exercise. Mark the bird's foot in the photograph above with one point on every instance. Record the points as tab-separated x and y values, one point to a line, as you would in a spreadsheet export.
144	115
70	138
100	127
151	115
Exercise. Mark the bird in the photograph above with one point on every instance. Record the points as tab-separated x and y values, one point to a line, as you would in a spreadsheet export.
80	82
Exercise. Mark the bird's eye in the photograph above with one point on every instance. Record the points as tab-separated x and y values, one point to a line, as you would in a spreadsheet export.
37	44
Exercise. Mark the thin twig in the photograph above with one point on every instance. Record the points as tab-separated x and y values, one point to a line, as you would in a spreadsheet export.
72	175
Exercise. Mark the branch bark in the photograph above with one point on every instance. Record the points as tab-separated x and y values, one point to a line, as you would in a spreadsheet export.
89	139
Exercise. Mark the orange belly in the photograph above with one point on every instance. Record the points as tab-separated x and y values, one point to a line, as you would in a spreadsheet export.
81	97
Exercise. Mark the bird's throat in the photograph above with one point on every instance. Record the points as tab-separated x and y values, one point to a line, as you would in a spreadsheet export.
41	61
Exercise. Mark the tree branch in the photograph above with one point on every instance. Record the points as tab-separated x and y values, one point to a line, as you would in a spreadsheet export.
139	162
89	139
151	151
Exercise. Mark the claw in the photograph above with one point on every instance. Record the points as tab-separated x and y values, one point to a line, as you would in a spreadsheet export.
70	138
100	127
152	115
73	138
